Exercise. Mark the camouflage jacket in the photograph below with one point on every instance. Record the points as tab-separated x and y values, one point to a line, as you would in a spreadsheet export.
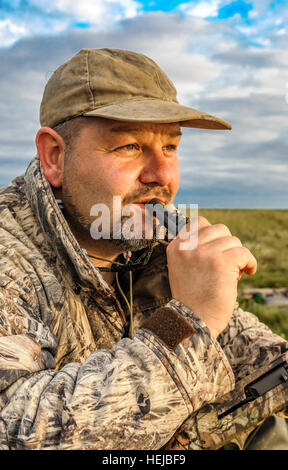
70	378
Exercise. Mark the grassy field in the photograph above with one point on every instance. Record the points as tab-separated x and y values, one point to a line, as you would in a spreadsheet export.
265	233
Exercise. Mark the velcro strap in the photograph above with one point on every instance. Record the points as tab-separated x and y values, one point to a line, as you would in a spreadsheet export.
169	326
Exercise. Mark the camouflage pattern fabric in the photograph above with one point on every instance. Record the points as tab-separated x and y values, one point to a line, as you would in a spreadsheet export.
69	378
207	430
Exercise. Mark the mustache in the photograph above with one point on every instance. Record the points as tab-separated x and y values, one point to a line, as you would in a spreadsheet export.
148	190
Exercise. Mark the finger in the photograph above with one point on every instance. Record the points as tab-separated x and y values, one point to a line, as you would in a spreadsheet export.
212	232
239	275
242	259
192	227
224	243
203	222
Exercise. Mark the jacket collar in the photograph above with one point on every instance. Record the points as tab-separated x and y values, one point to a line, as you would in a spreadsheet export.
151	288
54	225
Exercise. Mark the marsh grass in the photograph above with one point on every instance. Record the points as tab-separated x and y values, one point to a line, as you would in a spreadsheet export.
265	233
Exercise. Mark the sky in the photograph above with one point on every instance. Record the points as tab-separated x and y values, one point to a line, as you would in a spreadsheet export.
228	58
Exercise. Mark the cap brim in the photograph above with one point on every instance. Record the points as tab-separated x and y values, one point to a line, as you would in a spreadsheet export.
158	111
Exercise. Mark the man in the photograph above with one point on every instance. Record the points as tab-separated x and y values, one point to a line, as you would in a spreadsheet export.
73	377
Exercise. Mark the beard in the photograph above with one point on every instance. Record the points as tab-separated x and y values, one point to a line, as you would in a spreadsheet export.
120	236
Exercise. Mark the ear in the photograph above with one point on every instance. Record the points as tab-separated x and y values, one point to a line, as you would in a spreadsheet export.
51	150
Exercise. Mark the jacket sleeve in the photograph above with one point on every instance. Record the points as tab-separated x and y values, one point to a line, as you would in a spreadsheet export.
248	345
132	397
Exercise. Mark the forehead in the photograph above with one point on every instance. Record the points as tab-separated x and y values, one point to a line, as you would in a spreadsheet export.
119	127
170	129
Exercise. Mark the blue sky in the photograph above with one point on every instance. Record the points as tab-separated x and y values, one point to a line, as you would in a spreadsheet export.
227	58
24	18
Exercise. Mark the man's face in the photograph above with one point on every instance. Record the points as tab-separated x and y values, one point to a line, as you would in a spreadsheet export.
136	161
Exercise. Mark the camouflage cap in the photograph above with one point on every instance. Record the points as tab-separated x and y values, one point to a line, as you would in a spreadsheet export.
117	84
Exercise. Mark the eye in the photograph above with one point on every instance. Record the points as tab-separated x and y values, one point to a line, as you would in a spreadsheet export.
170	148
128	148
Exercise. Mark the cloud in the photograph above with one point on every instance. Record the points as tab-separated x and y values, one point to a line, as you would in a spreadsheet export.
222	9
11	31
213	71
253	20
94	11
201	9
30	18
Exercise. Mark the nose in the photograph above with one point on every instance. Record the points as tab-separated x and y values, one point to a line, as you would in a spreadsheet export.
156	169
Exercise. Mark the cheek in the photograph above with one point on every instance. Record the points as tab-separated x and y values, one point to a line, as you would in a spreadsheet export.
175	175
112	179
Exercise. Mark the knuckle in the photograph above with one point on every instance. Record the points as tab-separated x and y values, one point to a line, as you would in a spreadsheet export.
246	250
223	228
202	221
236	240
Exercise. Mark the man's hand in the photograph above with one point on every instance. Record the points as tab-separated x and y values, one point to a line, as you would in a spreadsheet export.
205	279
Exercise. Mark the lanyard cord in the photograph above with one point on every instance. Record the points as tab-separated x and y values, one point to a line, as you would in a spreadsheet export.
120	267
129	304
